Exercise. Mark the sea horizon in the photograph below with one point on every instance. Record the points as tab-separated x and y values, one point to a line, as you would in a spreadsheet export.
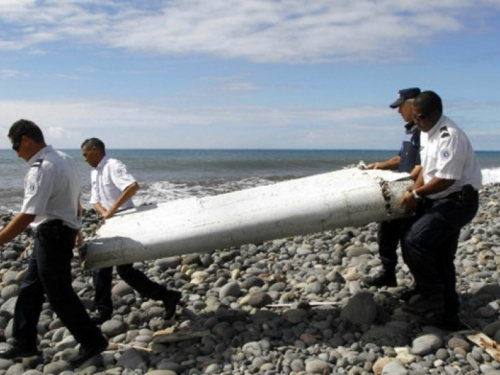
237	149
167	174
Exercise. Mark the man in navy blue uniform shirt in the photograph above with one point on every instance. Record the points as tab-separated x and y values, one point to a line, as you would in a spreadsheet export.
407	160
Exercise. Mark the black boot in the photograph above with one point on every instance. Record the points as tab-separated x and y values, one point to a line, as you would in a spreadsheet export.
100	315
408	294
428	305
386	278
170	300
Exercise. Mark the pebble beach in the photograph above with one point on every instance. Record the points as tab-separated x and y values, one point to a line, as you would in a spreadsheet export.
290	306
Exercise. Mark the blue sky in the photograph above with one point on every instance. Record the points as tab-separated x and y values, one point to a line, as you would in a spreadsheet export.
245	73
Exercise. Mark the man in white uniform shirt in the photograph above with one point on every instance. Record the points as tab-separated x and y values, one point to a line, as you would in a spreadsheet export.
51	201
111	191
445	197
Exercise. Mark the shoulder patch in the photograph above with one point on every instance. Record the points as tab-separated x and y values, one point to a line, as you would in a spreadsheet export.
37	163
120	171
31	187
445	154
444	132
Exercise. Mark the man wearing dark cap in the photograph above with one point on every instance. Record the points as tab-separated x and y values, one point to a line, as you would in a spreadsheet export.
407	160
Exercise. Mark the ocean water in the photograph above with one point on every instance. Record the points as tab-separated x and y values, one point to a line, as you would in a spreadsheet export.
175	174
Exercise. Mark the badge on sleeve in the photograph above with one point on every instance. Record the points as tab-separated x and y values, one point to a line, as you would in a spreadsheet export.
445	154
120	171
31	187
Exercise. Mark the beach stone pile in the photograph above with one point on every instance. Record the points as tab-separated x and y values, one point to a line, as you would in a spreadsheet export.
290	306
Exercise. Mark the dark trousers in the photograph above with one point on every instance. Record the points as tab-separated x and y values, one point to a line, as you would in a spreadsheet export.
136	279
49	273
430	242
388	237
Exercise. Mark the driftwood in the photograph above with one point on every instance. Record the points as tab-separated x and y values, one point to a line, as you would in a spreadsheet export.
491	346
116	346
308	304
174	334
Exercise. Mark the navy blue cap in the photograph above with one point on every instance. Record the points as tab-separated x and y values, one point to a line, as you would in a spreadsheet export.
405	94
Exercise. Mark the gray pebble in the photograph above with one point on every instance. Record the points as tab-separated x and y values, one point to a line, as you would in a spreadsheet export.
231	330
426	344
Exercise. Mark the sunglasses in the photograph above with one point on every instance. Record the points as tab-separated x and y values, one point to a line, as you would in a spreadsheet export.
419	117
16	145
423	117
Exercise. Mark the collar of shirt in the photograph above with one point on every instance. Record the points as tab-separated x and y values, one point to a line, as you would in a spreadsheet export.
411	128
435	129
102	162
409	125
39	154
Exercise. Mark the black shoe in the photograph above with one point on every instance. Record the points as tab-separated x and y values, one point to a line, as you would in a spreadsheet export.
170	301
84	354
426	305
100	316
408	294
16	351
450	323
385	279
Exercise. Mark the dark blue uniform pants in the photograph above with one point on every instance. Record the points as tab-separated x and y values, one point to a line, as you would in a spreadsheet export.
136	279
430	242
388	236
49	273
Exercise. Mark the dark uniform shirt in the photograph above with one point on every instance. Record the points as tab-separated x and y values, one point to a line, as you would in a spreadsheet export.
409	152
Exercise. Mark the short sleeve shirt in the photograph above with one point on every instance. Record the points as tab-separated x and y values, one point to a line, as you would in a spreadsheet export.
109	179
409	153
447	153
52	188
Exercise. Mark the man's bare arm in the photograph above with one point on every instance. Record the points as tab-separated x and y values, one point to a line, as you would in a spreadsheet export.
15	227
128	193
391	164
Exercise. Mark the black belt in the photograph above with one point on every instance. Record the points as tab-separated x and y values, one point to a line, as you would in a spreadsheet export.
56	223
52	224
455	196
465	195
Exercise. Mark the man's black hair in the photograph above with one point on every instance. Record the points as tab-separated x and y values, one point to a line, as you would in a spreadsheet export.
94	142
428	101
27	128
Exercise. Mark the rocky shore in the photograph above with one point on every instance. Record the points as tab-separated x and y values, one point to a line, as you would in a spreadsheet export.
288	306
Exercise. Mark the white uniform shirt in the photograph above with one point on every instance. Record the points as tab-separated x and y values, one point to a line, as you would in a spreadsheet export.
446	153
109	179
52	188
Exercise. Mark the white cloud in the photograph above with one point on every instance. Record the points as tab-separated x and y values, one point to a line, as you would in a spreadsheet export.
57	133
294	31
10	73
70	122
129	124
231	84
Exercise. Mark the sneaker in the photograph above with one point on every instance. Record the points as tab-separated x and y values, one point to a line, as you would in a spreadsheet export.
385	279
100	316
170	301
16	351
86	353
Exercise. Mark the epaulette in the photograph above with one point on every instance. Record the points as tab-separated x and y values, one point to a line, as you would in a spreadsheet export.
37	163
444	132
